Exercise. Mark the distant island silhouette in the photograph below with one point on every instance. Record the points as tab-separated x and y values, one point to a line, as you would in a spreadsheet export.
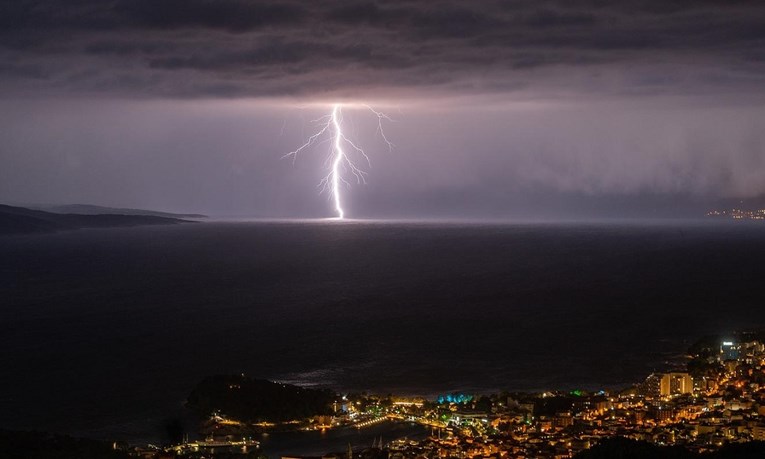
21	220
90	209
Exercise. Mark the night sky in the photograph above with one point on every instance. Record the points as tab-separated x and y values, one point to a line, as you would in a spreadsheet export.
501	109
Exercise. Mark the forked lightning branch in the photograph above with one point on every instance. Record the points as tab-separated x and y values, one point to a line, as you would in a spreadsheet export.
344	157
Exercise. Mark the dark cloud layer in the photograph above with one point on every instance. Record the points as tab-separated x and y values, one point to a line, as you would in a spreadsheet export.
201	48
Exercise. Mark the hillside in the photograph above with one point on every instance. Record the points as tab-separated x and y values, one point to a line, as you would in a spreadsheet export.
20	220
248	399
89	209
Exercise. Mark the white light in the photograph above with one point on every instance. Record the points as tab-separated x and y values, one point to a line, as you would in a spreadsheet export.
339	156
338	160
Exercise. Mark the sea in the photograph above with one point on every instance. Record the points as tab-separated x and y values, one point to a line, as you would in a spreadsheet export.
104	332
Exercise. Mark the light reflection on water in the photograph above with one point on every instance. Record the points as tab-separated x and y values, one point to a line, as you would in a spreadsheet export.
316	443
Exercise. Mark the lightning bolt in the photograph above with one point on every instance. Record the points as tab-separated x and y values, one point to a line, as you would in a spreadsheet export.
338	161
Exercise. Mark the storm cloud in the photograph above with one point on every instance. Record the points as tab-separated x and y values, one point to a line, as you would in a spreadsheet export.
206	48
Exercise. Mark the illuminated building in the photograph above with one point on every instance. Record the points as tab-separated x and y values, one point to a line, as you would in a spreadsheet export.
667	385
729	350
758	432
676	384
562	420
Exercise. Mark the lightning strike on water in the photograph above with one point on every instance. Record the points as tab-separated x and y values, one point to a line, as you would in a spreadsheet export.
338	161
339	156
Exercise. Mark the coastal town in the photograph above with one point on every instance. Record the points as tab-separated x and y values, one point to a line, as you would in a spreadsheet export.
738	214
717	400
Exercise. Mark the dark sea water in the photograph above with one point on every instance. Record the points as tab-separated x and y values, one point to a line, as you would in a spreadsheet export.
104	332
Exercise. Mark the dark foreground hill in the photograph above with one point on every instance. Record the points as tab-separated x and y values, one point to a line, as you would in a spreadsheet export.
20	220
39	445
622	448
248	399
